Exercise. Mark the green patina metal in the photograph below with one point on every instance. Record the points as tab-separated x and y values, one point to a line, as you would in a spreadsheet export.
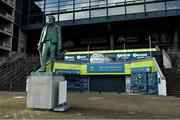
50	42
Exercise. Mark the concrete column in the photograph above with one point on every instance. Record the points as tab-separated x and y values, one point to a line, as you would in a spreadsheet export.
111	42
22	42
128	84
175	40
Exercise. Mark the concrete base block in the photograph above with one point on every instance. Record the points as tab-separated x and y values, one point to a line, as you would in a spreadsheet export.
42	90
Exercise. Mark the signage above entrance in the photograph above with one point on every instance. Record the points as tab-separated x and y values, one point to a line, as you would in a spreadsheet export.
109	56
68	72
141	70
105	68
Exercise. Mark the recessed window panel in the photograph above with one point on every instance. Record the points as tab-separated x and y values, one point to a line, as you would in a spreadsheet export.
155	6
51	6
66	5
134	1
173	5
81	15
116	1
81	3
116	11
150	0
98	3
98	13
65	16
135	9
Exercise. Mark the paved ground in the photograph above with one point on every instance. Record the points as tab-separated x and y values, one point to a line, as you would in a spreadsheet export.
94	106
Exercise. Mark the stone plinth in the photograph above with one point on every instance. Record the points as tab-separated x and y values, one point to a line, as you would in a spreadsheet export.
42	90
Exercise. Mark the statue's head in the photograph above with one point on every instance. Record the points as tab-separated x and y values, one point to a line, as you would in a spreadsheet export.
51	19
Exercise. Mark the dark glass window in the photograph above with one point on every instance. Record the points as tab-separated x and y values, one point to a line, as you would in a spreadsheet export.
40	9
155	6
173	5
51	6
135	8
116	11
82	14
66	5
82	4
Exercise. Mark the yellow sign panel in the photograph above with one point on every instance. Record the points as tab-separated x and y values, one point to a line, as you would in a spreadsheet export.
112	51
83	70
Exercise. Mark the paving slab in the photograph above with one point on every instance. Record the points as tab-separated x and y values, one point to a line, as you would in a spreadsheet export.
94	106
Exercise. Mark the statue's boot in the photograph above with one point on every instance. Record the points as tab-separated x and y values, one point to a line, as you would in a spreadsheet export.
52	65
43	68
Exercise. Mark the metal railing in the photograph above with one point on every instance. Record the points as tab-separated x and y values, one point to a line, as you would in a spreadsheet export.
13	74
9	2
9	31
9	16
162	77
5	45
3	60
175	58
166	59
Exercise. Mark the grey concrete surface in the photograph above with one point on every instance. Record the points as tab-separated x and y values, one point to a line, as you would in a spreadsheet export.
94	106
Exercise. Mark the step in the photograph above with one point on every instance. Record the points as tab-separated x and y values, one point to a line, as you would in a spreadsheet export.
173	89
174	82
173	94
173	85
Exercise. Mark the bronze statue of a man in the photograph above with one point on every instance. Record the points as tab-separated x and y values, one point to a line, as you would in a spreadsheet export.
50	42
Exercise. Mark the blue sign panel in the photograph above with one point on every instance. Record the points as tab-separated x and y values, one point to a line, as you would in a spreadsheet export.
105	68
70	58
84	58
141	70
132	56
68	72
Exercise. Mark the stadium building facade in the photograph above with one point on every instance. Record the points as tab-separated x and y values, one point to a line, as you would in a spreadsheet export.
90	25
104	26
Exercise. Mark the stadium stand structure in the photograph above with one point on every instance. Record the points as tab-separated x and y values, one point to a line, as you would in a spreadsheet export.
13	74
173	75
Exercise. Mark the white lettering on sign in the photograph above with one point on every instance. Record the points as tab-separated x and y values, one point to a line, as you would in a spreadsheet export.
69	57
81	57
139	55
123	55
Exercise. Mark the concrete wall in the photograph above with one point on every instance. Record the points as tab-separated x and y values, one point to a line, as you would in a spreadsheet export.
22	42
